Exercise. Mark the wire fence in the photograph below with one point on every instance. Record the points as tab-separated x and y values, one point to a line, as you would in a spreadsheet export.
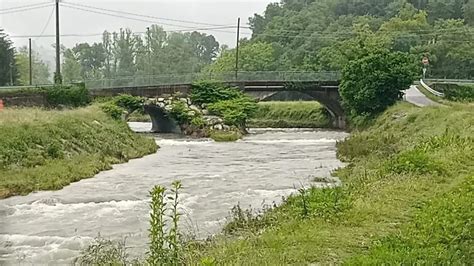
176	79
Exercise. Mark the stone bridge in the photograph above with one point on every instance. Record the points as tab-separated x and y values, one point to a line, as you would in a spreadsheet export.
264	86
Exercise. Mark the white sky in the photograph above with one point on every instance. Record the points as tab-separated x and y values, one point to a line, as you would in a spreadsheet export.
73	21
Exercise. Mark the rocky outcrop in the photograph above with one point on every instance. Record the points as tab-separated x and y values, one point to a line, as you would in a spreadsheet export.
179	115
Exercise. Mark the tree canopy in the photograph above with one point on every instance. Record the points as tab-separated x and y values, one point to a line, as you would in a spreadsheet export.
8	70
125	53
328	34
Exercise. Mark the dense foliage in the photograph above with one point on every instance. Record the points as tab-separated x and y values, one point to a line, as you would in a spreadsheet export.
71	95
8	70
206	92
41	74
229	103
456	92
123	104
124	53
374	82
327	34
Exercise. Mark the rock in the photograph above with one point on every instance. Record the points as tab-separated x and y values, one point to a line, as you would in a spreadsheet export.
161	104
205	112
218	127
195	108
168	107
203	106
226	127
161	100
184	100
212	120
191	113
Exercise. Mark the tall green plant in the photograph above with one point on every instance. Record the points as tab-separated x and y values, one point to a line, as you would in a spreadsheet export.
165	244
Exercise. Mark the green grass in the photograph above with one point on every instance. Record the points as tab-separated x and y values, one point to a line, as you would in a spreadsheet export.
139	117
299	114
47	150
225	136
406	199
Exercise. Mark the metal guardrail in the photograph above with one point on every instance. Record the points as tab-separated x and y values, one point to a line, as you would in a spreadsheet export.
451	81
174	79
434	92
25	87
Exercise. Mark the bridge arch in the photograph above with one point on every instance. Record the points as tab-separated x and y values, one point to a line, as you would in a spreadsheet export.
329	99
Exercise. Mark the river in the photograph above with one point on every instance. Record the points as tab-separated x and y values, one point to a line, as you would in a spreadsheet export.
53	226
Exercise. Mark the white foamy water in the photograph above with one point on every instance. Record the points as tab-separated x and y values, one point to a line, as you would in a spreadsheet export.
53	226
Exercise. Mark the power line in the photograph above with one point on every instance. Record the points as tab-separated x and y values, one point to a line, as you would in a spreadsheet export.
25	6
47	23
23	9
146	16
152	21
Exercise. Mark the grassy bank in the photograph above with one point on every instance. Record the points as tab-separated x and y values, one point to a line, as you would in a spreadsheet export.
47	150
290	115
406	199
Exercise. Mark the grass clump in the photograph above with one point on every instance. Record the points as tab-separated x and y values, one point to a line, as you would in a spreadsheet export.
47	150
225	136
301	114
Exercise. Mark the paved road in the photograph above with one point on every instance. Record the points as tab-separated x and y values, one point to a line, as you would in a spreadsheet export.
414	96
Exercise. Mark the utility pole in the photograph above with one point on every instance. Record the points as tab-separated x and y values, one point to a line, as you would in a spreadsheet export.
31	68
237	50
148	49
57	76
11	73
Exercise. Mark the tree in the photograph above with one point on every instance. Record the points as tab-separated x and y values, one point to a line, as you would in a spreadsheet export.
71	67
256	56
468	10
40	70
8	69
374	82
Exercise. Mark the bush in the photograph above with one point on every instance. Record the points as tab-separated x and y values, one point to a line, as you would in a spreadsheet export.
181	112
128	102
456	92
206	92
74	96
373	83
234	112
112	110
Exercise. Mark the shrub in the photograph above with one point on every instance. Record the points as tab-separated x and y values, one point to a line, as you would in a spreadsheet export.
128	102
235	112
112	110
181	113
457	92
75	95
206	92
373	83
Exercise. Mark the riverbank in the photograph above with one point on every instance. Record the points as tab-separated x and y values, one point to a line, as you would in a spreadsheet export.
47	150
298	114
406	198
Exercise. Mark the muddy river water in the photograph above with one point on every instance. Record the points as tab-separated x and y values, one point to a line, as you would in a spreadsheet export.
53	226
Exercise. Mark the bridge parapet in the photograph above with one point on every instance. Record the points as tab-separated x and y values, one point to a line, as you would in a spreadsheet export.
176	79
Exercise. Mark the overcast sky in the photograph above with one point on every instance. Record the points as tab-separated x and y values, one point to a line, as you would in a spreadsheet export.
79	22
